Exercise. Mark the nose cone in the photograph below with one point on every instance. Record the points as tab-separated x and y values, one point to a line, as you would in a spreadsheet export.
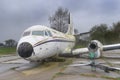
25	50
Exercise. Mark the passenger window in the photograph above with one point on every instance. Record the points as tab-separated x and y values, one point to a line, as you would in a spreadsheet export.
26	33
38	33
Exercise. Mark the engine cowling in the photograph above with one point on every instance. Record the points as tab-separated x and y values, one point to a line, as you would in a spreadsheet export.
96	47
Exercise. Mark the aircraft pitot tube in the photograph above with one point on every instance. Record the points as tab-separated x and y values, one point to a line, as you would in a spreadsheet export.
95	47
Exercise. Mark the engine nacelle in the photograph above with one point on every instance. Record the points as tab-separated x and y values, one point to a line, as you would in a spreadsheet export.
96	47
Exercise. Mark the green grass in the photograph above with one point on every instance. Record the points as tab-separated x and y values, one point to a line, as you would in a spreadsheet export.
7	50
89	75
79	46
110	78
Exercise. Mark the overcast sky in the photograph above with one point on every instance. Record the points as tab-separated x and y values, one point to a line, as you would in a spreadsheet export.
17	15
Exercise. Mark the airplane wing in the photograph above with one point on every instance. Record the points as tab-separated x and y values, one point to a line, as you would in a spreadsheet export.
98	65
77	65
80	51
96	47
115	68
111	47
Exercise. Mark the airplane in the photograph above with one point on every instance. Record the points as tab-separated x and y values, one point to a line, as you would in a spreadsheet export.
41	42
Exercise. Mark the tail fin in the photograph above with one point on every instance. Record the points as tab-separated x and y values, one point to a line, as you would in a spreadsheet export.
70	30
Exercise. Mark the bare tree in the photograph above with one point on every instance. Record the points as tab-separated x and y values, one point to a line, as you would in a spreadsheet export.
59	21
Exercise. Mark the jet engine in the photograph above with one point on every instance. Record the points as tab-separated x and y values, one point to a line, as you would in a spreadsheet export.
96	47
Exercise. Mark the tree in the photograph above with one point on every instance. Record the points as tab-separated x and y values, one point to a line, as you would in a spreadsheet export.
59	21
1	44
98	32
116	29
111	37
10	43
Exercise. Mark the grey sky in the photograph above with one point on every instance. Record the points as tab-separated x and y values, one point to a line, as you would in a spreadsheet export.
17	15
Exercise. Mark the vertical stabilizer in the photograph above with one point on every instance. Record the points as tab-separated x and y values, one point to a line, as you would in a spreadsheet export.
70	30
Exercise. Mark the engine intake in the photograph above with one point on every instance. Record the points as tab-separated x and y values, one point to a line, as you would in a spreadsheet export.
96	47
93	47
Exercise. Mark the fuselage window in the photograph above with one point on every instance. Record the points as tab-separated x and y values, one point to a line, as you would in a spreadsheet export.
27	33
38	33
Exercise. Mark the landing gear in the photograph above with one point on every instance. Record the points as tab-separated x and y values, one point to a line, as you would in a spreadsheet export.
93	68
92	64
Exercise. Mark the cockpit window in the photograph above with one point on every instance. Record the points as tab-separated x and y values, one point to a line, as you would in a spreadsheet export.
38	33
26	33
50	34
46	34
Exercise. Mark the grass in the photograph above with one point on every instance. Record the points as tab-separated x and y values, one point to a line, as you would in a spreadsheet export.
79	46
7	50
110	78
97	76
89	75
57	74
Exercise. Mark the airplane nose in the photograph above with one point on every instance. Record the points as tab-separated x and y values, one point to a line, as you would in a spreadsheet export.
25	50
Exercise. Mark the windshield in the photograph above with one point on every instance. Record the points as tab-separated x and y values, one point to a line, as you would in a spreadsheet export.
27	33
48	33
38	33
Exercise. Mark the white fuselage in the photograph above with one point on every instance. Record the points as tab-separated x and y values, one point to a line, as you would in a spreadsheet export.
46	43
